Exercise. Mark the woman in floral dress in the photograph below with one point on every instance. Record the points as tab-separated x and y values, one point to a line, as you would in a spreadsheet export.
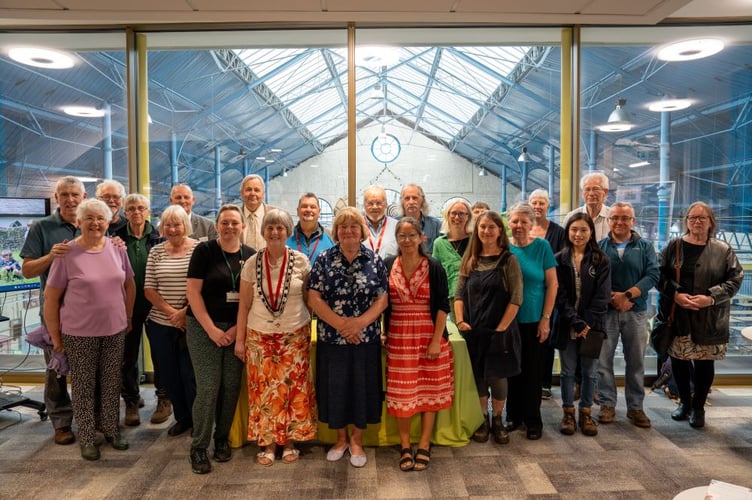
419	359
348	293
276	343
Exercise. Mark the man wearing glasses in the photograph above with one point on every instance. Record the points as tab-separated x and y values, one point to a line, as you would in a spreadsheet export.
594	188
634	271
112	193
139	237
380	226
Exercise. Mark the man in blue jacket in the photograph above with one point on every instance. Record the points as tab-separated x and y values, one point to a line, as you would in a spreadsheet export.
634	271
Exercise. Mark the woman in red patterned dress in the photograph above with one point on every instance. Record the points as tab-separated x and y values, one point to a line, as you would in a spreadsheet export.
419	359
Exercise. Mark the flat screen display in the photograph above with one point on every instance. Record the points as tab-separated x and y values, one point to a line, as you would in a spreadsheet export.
16	217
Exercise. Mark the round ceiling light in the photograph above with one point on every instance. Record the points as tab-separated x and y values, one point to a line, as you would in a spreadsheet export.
616	127
83	111
669	105
41	58
688	50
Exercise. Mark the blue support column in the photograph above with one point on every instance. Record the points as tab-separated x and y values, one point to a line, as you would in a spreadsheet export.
593	153
107	141
503	188
551	180
217	177
523	179
174	158
266	184
664	190
246	167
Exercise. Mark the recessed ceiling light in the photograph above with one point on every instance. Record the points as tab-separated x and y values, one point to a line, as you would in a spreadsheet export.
41	58
669	105
275	150
261	158
688	50
314	165
83	111
88	179
269	161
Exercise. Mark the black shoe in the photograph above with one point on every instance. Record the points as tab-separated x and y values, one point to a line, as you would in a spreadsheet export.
681	412
199	461
697	418
500	434
481	435
117	441
533	433
222	451
178	428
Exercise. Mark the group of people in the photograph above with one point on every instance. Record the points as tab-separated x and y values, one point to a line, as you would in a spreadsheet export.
238	295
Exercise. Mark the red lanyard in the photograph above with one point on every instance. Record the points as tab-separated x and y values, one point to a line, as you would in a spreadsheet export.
311	250
381	236
274	295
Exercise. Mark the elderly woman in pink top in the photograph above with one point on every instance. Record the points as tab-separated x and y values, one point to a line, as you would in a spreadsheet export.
90	324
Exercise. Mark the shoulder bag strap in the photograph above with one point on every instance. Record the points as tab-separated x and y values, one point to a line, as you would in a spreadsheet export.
677	266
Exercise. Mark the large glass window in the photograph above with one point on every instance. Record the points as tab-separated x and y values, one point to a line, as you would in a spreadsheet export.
62	112
671	130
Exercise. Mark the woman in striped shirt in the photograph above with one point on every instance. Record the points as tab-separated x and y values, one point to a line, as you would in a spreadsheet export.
164	287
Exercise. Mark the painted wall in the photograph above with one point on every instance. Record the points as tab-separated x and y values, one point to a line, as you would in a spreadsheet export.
441	174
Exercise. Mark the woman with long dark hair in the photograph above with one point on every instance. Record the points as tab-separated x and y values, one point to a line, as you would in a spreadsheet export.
487	298
584	276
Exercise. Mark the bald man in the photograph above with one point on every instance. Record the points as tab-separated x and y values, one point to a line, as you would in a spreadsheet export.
203	228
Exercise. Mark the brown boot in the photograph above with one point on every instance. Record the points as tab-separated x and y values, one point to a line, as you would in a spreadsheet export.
500	434
568	425
162	412
132	417
587	426
481	435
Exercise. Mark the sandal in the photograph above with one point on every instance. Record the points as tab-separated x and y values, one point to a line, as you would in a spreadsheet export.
421	464
265	458
406	462
290	455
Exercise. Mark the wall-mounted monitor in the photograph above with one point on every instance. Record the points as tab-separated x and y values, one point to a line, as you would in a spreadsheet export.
16	217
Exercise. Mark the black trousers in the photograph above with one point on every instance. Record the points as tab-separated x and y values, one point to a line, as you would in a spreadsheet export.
523	404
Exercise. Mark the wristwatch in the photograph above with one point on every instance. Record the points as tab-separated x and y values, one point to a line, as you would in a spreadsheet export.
628	294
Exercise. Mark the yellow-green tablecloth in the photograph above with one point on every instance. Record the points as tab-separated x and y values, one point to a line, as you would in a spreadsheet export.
454	426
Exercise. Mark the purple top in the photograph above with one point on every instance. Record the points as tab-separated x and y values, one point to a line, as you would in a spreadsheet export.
94	300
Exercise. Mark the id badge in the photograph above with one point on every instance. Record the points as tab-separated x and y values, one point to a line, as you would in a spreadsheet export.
233	296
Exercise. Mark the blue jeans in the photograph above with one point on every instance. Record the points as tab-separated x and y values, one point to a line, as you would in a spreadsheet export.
568	357
633	329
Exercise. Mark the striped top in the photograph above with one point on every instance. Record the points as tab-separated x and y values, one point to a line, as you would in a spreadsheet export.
167	275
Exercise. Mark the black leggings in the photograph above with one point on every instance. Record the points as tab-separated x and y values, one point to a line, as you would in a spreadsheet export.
704	372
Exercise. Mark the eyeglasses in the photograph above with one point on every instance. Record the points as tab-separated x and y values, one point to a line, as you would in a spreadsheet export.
596	189
139	208
621	218
697	218
459	215
404	237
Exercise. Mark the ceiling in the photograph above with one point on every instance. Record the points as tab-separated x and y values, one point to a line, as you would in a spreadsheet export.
364	12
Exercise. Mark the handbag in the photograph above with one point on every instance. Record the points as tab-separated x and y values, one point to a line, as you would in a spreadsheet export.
590	345
662	333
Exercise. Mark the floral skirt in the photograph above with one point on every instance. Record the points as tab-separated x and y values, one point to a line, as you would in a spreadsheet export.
281	396
683	348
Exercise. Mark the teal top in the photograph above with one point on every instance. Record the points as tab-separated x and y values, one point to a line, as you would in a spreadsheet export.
535	259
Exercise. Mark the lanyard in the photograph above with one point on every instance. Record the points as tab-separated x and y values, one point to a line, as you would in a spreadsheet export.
233	277
381	236
311	251
274	295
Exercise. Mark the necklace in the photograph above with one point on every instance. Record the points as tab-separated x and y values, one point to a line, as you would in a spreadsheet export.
459	245
275	297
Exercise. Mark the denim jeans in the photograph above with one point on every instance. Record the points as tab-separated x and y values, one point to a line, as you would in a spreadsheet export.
568	357
633	329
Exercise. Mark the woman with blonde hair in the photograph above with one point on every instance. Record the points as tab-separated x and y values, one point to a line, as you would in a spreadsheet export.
348	292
